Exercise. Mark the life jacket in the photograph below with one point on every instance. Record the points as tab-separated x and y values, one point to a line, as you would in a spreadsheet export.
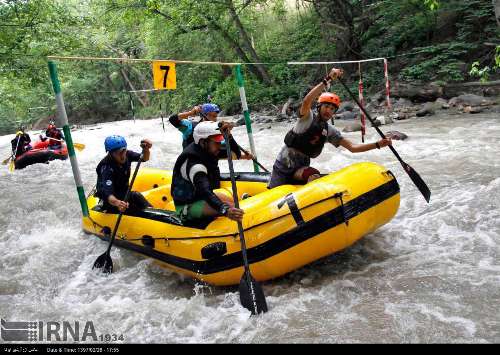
183	190
54	133
120	176
23	145
312	141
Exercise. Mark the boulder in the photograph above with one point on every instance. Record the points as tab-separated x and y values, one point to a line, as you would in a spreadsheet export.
402	103
416	92
427	110
353	127
377	98
398	116
346	106
347	115
473	109
492	91
469	100
382	120
442	103
396	135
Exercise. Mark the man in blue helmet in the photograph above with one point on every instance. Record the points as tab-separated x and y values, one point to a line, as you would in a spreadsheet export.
207	112
113	175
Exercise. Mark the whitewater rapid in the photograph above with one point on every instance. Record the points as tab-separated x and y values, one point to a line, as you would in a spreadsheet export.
430	275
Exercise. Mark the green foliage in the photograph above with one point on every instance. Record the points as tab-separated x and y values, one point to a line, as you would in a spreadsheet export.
423	39
432	4
484	73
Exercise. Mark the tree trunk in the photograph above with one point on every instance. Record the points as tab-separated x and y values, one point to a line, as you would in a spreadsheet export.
236	47
496	5
340	15
247	42
143	99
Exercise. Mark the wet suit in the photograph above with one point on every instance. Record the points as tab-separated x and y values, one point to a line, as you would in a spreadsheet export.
113	179
196	175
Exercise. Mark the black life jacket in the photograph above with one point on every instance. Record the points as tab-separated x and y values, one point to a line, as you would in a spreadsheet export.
183	190
21	144
312	141
120	176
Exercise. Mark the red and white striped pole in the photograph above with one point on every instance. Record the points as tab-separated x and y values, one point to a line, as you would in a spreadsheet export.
362	101
387	86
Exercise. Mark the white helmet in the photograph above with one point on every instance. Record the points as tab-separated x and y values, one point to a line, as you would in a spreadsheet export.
207	129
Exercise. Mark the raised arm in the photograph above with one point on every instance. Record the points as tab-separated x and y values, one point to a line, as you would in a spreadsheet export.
316	91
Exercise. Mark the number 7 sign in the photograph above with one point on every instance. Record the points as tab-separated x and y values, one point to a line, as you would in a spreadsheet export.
164	76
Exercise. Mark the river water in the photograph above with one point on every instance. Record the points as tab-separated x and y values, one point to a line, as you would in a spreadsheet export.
430	275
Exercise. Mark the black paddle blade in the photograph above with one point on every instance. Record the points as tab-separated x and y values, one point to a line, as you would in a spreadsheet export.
251	295
105	262
417	180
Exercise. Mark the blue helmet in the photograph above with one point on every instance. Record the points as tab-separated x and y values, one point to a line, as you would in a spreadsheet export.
114	142
206	108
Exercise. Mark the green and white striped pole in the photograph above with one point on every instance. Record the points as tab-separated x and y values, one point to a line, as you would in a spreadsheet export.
246	114
63	119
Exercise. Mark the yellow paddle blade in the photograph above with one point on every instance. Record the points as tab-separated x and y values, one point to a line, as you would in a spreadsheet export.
6	161
79	146
11	166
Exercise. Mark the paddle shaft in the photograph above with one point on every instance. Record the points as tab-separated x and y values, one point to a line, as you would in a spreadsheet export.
240	226
161	115
13	155
125	199
372	122
414	176
253	158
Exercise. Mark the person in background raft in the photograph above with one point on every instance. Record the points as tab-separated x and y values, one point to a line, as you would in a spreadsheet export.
113	175
309	135
55	133
21	143
207	112
196	175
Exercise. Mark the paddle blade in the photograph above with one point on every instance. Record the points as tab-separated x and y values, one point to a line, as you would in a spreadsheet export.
12	165
417	180
79	146
251	294
6	161
105	262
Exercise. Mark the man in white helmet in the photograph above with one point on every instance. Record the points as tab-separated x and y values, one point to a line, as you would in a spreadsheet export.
196	175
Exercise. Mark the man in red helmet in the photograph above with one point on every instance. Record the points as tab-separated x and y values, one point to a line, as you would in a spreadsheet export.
56	135
307	139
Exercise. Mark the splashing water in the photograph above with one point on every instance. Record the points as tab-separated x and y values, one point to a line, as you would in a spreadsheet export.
431	275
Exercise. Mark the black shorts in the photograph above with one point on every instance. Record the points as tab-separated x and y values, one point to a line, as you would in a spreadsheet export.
135	200
282	175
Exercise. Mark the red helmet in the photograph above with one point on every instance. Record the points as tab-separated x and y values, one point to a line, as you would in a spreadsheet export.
329	98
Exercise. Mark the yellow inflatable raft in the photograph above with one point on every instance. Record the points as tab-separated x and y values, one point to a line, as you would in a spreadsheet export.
285	227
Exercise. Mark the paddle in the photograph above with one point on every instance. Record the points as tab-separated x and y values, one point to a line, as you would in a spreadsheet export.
414	176
254	160
12	164
161	115
104	261
251	293
78	146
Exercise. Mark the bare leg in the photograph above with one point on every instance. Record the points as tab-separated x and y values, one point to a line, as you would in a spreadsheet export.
209	211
